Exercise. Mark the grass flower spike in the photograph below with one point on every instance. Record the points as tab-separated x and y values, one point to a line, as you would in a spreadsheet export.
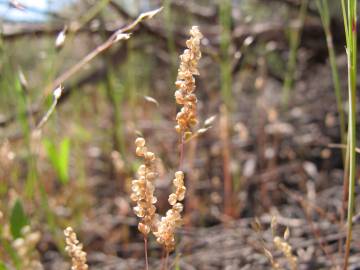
74	249
185	83
179	194
165	234
143	188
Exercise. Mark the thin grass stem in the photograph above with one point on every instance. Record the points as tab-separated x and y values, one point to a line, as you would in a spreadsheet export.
225	18
295	38
323	8
350	22
146	253
166	261
182	149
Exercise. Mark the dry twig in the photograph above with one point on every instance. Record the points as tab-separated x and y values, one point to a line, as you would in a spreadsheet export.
118	35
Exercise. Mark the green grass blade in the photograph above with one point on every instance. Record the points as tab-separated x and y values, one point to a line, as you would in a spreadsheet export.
350	21
18	219
323	8
295	38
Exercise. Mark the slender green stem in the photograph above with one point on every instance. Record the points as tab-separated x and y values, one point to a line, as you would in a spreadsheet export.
115	100
323	8
350	21
295	38
169	27
225	18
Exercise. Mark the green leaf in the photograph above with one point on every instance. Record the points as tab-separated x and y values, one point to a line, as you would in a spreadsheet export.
51	151
64	160
18	219
59	158
3	266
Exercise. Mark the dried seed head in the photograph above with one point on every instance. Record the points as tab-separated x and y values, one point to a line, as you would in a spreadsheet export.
179	175
150	156
178	207
283	246
185	82
165	233
74	249
144	229
172	199
143	188
140	142
180	193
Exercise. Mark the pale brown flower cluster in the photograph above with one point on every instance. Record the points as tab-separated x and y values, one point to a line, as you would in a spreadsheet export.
74	249
165	234
143	194
185	83
143	188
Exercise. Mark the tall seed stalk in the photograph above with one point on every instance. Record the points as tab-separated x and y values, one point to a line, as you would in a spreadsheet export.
349	11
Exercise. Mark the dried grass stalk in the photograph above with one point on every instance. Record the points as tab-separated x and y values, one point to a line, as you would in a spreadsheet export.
143	187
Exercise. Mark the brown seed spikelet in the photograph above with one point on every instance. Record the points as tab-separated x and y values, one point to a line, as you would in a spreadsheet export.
185	83
74	249
143	188
165	234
